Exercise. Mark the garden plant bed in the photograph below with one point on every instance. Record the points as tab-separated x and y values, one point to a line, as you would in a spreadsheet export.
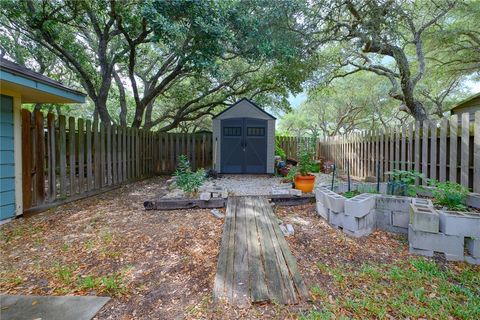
456	234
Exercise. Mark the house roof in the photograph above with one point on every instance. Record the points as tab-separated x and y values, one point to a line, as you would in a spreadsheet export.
468	99
35	87
249	101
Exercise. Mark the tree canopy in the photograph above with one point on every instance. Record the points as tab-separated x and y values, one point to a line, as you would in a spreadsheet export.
168	65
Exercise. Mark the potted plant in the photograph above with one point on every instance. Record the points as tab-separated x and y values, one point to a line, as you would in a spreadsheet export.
304	180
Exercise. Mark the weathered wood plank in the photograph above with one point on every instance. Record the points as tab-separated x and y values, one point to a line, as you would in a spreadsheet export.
102	155
62	156
240	287
114	155
81	156
417	149
220	276
88	136
289	258
96	155
425	151
109	155
172	204
259	291
433	151
71	155
27	159
287	285
52	158
453	162
465	149
230	271
403	149
476	153
272	272
442	176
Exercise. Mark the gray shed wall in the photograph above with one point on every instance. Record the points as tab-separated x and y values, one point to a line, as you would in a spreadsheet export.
244	109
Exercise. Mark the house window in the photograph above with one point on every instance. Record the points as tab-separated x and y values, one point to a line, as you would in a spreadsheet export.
256	131
232	131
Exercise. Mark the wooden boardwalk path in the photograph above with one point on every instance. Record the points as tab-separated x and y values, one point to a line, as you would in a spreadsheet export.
255	263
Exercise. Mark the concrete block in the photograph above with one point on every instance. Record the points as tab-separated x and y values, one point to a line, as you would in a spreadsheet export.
336	218
426	253
354	224
473	247
205	195
400	219
359	233
334	202
472	260
322	210
360	205
452	257
424	219
225	193
419	202
295	192
460	223
393	203
438	242
278	190
473	200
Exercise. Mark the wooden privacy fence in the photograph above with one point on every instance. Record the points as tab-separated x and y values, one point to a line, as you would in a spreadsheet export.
72	158
445	150
292	145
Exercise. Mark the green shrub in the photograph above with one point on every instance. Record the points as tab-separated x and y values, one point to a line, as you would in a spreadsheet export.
291	174
403	182
279	151
450	194
305	161
187	180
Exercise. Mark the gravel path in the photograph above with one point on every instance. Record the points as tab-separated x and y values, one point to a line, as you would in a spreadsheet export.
252	185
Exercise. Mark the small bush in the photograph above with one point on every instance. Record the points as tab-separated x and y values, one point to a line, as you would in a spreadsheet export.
305	163
450	194
403	182
279	151
187	180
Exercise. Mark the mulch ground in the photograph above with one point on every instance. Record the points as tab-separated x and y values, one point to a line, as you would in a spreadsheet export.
161	264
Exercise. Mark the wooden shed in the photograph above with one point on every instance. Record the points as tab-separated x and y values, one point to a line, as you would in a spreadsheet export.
470	105
244	139
20	85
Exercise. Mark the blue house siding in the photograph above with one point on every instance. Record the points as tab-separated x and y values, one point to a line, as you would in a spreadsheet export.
7	159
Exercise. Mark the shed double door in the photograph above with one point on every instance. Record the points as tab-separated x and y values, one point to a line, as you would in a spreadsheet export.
244	145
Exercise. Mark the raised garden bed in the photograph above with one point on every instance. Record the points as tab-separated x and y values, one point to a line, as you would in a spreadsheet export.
429	229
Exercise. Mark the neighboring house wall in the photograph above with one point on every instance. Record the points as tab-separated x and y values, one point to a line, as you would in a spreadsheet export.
243	109
11	156
470	106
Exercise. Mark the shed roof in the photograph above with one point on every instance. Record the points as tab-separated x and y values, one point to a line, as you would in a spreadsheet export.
468	99
35	87
250	102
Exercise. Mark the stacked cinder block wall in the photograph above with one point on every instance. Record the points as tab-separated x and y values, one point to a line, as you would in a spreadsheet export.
428	230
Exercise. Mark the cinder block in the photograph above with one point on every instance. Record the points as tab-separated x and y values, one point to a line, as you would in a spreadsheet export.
426	253
419	202
460	224
424	219
295	192
473	200
473	247
336	218
366	224
334	202
205	195
360	205
438	242
359	233
472	260
322	210
400	219
383	218
393	203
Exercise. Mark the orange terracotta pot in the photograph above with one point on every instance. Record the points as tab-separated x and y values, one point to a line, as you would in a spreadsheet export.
305	183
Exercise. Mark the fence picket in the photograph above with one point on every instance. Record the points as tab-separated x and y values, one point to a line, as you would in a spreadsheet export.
81	156
433	151
476	153
62	156
425	151
453	163
465	149
88	135
443	151
71	155
27	159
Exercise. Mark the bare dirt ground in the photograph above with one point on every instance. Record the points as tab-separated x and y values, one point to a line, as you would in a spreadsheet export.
161	265
154	264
